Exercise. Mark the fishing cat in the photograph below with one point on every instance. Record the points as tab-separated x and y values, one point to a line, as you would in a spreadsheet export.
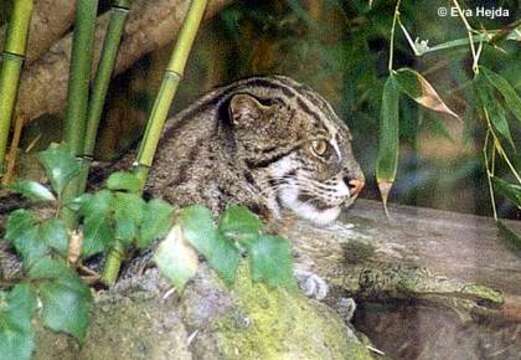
269	143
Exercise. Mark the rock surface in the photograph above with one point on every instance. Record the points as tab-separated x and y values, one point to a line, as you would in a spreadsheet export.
141	319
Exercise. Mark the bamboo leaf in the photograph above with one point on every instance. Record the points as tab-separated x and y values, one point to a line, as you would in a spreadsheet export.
32	190
176	259
495	109
420	90
511	238
512	99
388	146
508	190
503	33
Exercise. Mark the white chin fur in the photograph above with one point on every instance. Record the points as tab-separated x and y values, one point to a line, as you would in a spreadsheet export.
290	200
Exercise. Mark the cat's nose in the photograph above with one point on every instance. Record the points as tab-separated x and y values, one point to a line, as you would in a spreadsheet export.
355	185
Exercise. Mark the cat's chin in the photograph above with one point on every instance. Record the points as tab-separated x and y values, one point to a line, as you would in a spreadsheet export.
321	217
307	211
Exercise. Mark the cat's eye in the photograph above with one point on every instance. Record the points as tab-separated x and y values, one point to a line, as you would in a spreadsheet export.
320	147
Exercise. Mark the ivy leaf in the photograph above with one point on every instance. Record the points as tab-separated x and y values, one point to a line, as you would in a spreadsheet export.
238	222
53	232
98	235
200	231
420	90
508	190
224	258
65	298
157	221
122	180
16	330
128	214
32	190
176	259
22	231
98	204
271	261
60	166
98	232
198	228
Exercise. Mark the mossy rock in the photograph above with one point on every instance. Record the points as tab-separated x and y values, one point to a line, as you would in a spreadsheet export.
207	321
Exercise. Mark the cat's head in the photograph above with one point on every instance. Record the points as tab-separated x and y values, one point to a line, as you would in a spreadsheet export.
292	141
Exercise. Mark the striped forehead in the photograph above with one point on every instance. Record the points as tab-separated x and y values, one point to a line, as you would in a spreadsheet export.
311	103
322	115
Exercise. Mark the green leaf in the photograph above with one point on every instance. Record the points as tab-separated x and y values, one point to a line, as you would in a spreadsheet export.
271	261
98	230
388	146
33	240
157	221
98	235
199	229
22	231
238	222
122	180
60	166
508	190
176	259
512	99
65	298
53	232
18	222
16	330
32	190
495	110
420	90
511	238
99	204
224	258
128	214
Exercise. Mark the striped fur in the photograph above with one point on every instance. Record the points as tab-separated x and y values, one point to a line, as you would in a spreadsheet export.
254	142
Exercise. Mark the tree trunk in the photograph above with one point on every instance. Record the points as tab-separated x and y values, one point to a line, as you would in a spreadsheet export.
151	25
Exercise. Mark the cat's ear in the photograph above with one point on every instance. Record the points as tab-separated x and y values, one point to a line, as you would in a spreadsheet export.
245	109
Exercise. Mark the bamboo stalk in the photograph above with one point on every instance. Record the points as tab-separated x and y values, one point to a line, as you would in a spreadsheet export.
13	150
173	75
12	61
118	17
78	91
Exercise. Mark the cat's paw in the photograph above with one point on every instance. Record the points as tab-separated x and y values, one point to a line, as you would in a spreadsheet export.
311	284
